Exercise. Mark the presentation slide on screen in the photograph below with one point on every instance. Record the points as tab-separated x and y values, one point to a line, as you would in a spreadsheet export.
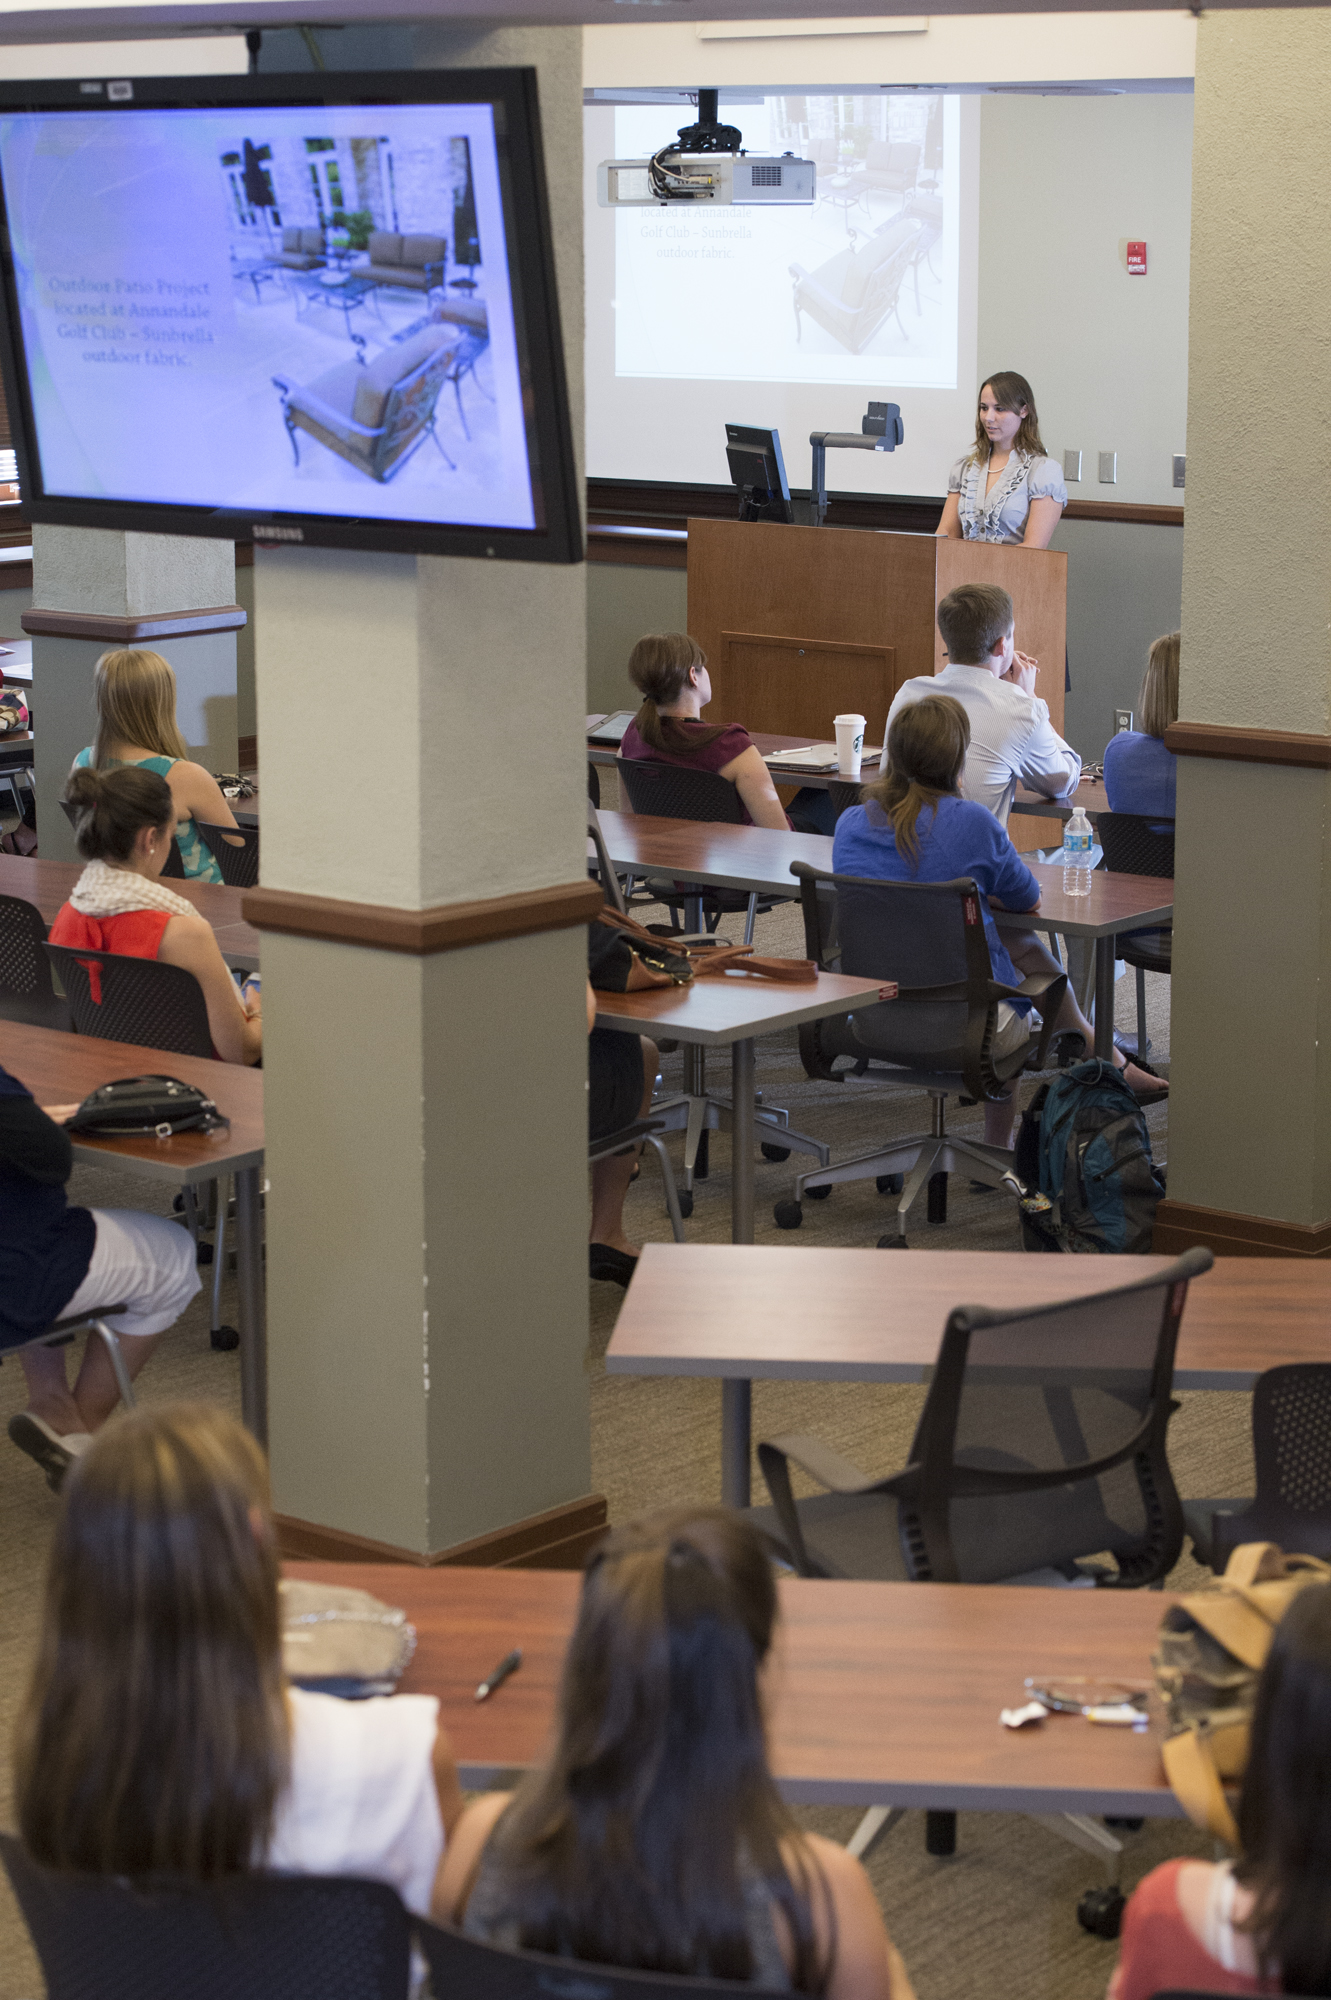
276	309
793	316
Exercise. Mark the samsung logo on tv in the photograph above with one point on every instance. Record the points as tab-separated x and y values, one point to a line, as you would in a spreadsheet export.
271	534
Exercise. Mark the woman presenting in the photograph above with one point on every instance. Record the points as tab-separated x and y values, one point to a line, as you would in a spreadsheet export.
1006	489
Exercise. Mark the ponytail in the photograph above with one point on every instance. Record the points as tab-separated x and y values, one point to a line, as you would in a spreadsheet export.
926	751
659	666
113	808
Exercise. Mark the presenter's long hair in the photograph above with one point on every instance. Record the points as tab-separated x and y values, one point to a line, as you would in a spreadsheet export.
659	667
136	704
632	1846
1011	391
1285	1807
154	1734
926	752
1158	702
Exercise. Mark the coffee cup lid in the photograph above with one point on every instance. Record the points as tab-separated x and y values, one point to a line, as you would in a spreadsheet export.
846	718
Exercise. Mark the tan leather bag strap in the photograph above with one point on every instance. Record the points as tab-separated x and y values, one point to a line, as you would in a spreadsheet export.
1248	1562
714	961
1195	1781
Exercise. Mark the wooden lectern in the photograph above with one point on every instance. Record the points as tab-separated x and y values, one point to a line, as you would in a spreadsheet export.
801	624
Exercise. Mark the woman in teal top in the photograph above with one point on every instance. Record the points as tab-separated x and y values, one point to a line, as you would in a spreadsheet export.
136	724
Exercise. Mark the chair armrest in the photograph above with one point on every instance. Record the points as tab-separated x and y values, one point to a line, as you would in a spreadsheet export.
1047	989
824	298
314	406
828	1467
798	271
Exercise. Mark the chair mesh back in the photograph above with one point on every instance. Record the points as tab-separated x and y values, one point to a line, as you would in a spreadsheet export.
671	792
1291	1434
1136	846
134	1000
1062	1388
239	865
463	1968
890	930
256	1938
26	991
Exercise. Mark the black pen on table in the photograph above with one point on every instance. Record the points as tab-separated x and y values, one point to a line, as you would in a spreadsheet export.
498	1675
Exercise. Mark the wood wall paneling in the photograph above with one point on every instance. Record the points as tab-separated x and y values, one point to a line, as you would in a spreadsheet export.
788	678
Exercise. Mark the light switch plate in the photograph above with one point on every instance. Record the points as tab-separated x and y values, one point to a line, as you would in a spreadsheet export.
1180	468
1072	465
1122	721
1109	468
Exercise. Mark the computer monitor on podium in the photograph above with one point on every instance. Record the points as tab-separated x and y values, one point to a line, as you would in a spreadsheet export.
759	473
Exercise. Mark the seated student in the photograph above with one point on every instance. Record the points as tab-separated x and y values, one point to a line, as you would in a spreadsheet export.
14	720
654	1838
125	826
1012	738
159	1734
1140	774
1261	1924
670	669
621	1075
136	724
914	826
56	1261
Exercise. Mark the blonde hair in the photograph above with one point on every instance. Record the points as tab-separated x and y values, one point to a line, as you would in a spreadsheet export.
136	704
154	1735
1010	392
1159	695
926	749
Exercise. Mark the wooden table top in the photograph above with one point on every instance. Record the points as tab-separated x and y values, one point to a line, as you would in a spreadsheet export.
882	1692
1116	903
787	1313
717	1012
60	1068
47	884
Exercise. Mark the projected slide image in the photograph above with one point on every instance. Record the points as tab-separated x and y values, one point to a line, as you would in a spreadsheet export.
867	275
278	309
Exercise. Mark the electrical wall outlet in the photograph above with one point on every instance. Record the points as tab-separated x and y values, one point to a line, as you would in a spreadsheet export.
1109	468
1122	722
1072	465
1180	468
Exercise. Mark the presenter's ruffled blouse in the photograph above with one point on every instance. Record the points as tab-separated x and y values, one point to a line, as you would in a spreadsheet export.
1000	515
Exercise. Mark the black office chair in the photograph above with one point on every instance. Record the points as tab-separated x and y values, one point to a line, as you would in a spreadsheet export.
173	869
27	991
59	1334
1291	1448
646	1131
1134	845
464	1968
252	1937
1041	1444
667	791
235	849
939	1035
133	1000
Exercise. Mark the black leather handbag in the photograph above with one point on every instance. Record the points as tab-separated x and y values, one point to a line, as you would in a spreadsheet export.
140	1104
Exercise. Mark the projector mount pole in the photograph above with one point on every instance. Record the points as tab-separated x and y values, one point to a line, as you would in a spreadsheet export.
707	136
881	430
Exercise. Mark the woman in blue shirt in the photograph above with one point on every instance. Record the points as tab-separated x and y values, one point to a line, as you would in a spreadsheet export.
914	826
1140	773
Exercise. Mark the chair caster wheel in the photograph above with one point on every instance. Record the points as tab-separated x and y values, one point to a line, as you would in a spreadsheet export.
1100	1911
225	1340
775	1152
818	1193
893	1243
890	1183
685	1203
788	1215
940	1833
203	1253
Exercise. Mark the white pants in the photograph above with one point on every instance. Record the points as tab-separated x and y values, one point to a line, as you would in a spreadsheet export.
142	1261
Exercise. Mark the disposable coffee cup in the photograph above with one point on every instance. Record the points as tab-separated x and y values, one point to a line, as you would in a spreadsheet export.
849	744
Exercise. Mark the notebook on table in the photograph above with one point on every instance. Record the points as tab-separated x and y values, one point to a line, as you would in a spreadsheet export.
819	757
610	729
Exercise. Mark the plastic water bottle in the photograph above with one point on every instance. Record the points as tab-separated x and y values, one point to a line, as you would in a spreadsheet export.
1077	842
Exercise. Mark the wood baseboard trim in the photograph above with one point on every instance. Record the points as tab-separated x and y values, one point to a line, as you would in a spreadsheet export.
1249	746
1180	1224
444	927
560	1538
130	631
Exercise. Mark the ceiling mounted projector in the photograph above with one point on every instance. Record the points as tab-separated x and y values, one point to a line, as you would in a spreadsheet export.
706	163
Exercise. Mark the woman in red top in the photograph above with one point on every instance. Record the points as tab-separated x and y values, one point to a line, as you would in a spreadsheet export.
670	669
126	823
1261	1924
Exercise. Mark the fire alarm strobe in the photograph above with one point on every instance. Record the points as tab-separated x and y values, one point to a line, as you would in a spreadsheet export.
1136	260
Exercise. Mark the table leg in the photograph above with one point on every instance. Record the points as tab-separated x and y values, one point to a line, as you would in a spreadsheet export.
1104	997
253	1322
736	1424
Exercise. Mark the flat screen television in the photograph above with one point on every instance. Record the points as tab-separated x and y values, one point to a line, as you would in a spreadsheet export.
316	308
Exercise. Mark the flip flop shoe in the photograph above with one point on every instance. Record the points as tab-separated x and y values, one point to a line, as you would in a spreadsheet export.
52	1451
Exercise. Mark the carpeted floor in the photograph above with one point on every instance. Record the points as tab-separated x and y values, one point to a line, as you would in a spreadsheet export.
997	1920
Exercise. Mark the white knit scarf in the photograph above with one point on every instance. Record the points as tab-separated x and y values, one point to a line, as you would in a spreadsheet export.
102	891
